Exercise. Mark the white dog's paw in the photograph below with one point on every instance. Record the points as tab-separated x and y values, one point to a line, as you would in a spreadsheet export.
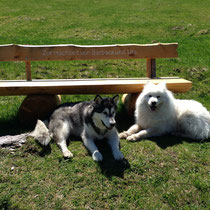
123	135
133	137
118	155
67	154
97	156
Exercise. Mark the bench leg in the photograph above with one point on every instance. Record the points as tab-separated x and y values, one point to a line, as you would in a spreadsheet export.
129	101
36	107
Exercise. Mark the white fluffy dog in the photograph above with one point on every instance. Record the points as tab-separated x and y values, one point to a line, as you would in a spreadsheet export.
158	113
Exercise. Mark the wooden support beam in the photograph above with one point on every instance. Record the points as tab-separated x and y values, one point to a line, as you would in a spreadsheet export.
28	70
151	68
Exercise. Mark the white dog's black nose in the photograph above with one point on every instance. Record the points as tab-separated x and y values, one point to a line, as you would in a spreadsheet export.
154	103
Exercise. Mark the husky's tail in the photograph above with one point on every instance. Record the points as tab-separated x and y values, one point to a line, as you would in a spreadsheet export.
41	133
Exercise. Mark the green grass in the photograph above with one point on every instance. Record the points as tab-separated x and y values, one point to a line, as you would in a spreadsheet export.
158	173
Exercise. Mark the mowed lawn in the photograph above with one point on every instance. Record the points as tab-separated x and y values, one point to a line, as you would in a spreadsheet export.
157	173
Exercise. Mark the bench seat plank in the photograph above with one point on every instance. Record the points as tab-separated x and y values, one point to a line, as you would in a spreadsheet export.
88	86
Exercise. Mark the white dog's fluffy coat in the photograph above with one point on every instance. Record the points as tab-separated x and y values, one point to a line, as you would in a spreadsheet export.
158	113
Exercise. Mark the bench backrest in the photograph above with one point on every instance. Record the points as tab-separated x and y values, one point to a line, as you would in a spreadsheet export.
28	53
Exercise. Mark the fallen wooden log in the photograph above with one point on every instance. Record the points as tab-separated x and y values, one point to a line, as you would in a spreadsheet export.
13	141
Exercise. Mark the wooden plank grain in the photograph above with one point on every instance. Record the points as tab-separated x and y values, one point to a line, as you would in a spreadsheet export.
86	52
88	86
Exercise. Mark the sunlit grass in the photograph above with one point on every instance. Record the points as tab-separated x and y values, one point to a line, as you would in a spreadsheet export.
159	173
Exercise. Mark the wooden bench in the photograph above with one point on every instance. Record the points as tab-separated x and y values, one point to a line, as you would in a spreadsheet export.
29	53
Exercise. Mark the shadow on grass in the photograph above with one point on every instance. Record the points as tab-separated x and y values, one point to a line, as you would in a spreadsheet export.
12	126
109	166
32	147
169	141
45	150
114	168
5	202
124	121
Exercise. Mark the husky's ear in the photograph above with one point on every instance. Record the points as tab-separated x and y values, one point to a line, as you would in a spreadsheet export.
115	99
98	99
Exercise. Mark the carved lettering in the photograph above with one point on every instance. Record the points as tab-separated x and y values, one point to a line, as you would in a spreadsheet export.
87	52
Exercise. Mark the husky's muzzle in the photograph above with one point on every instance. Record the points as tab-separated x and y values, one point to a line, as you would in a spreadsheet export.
112	123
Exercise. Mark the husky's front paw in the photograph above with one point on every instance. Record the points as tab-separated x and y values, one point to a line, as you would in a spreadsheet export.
133	137
118	155
67	154
97	156
123	135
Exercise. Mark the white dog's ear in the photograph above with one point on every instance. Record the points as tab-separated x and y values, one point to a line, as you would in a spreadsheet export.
148	84
98	99
115	99
162	85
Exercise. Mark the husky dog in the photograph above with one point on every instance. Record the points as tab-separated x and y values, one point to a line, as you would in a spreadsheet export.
158	113
89	120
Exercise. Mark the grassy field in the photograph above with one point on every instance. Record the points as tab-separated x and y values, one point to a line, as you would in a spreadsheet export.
157	173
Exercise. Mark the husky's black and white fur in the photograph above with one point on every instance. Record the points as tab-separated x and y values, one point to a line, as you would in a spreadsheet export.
89	120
